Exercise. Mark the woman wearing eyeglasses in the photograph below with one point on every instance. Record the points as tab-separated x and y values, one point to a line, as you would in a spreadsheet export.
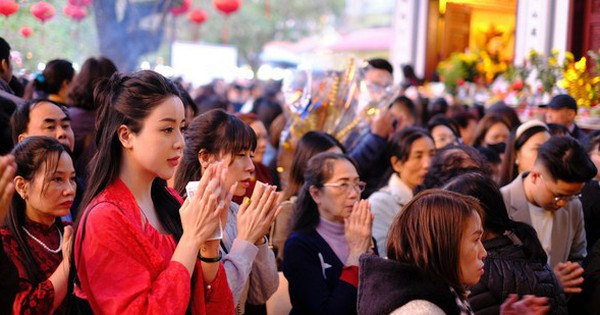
332	228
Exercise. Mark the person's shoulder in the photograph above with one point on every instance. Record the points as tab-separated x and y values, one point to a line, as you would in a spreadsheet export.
303	239
418	307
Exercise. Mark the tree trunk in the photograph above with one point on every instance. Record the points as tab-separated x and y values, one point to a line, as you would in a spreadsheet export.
124	39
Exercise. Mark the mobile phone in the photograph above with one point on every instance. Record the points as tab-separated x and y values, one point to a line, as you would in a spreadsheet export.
190	188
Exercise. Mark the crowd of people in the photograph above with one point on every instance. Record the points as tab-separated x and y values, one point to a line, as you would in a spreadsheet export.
435	209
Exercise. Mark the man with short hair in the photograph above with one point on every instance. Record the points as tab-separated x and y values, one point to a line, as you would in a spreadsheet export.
369	150
547	197
43	118
562	110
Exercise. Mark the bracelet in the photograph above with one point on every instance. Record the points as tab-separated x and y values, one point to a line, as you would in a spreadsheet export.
210	260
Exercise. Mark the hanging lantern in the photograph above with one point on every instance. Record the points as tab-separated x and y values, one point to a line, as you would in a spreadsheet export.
80	3
8	7
74	12
26	31
197	16
184	7
43	11
227	6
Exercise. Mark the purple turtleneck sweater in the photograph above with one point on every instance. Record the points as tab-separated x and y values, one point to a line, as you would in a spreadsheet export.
333	234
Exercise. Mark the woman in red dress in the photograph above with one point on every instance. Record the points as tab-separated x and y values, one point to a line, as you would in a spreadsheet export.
34	236
137	249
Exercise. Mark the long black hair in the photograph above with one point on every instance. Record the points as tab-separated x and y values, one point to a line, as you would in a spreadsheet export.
496	218
128	100
30	156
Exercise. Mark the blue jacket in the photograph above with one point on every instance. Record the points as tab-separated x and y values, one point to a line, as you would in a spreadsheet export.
313	272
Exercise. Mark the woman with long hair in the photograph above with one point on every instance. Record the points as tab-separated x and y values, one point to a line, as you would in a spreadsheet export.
521	150
410	152
516	262
217	136
435	254
35	238
332	228
309	145
138	250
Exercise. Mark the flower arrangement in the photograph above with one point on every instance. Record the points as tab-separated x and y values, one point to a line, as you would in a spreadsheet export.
458	69
579	81
548	70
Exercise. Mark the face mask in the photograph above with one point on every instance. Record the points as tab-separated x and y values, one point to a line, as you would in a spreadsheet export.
498	147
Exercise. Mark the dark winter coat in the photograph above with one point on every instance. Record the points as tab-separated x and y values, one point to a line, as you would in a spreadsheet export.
507	270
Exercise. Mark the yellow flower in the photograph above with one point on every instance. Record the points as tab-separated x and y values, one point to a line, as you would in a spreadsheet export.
532	53
580	65
554	52
569	56
563	84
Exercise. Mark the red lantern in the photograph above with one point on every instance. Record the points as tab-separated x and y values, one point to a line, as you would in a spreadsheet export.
227	6
43	11
184	7
197	16
26	31
80	3
74	12
8	7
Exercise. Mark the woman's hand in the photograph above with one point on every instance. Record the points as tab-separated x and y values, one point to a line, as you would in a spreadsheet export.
528	305
200	215
358	230
67	244
256	215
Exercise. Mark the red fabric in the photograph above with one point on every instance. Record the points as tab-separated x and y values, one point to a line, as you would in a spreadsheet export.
34	299
261	173
125	268
350	275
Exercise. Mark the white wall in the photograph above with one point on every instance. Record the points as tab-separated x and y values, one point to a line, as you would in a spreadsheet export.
410	35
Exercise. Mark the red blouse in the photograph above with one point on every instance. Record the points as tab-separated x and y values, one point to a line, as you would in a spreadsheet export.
34	299
126	268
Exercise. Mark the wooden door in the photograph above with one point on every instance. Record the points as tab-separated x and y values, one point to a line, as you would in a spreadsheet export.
457	25
591	40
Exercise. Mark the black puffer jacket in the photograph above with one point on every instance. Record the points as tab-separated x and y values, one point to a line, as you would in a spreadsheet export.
507	270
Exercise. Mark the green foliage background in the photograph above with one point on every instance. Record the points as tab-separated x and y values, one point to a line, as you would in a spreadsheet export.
249	28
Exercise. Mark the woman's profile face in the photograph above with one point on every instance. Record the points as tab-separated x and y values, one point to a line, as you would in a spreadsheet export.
498	133
157	147
412	171
472	252
50	194
527	154
340	192
240	170
261	140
